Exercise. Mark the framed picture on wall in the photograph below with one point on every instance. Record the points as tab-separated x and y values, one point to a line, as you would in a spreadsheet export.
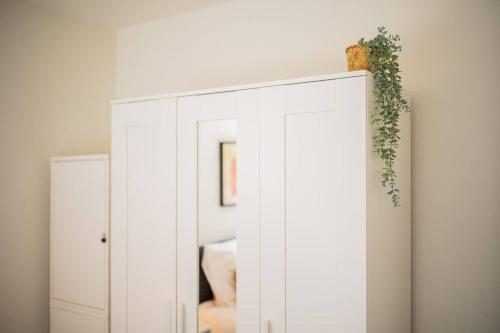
228	175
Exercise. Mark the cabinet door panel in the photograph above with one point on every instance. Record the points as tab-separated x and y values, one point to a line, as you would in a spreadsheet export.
79	218
144	217
197	114
312	206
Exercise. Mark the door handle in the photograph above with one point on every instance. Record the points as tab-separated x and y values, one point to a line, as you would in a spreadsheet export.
182	317
170	316
267	326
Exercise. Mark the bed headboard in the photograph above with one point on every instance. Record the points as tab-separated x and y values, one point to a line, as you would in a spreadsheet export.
205	291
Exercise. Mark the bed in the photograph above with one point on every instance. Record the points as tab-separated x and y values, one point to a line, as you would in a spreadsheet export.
217	287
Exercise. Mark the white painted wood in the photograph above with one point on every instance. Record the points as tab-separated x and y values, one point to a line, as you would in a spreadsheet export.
64	321
79	259
191	112
181	323
314	194
79	309
144	217
78	158
294	81
248	289
272	212
351	265
320	247
326	264
308	164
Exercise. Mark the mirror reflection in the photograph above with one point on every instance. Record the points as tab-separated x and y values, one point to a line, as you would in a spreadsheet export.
217	207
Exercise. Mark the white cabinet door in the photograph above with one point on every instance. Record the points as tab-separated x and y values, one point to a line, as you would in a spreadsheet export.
143	293
197	114
312	158
79	221
193	112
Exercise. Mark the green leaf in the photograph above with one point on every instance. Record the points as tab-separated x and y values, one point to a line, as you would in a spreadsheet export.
382	57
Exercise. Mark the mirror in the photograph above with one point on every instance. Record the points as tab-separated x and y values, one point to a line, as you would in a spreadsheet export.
217	208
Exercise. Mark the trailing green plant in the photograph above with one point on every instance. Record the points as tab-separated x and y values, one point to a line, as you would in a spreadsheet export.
383	60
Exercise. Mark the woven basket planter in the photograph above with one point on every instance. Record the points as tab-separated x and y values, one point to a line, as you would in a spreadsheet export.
357	58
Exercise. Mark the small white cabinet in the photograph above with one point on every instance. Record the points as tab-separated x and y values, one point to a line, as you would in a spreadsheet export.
79	269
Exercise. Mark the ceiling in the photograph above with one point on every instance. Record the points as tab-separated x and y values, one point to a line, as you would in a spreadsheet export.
121	13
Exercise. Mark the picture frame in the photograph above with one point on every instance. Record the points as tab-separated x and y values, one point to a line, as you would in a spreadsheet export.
228	173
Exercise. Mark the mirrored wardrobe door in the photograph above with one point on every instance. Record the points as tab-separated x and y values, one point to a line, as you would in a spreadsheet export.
217	222
207	213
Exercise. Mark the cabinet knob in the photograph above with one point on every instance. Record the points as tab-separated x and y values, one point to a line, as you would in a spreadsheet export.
103	238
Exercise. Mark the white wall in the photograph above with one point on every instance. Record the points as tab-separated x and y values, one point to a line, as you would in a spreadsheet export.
56	79
215	223
451	70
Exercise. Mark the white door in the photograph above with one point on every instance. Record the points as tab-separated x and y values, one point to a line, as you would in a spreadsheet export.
143	293
197	116
312	207
79	228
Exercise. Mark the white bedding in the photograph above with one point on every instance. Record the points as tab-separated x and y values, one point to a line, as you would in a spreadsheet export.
219	265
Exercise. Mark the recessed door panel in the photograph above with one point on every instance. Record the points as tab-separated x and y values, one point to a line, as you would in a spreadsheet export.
64	321
314	202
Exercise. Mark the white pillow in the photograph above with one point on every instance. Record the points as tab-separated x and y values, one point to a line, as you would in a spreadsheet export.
219	265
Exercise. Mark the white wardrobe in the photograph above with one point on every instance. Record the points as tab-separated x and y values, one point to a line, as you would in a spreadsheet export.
79	252
320	248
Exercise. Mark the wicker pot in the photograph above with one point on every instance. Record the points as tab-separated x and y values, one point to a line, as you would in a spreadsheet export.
357	58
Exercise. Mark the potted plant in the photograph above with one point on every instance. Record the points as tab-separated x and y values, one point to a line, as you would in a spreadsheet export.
379	55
